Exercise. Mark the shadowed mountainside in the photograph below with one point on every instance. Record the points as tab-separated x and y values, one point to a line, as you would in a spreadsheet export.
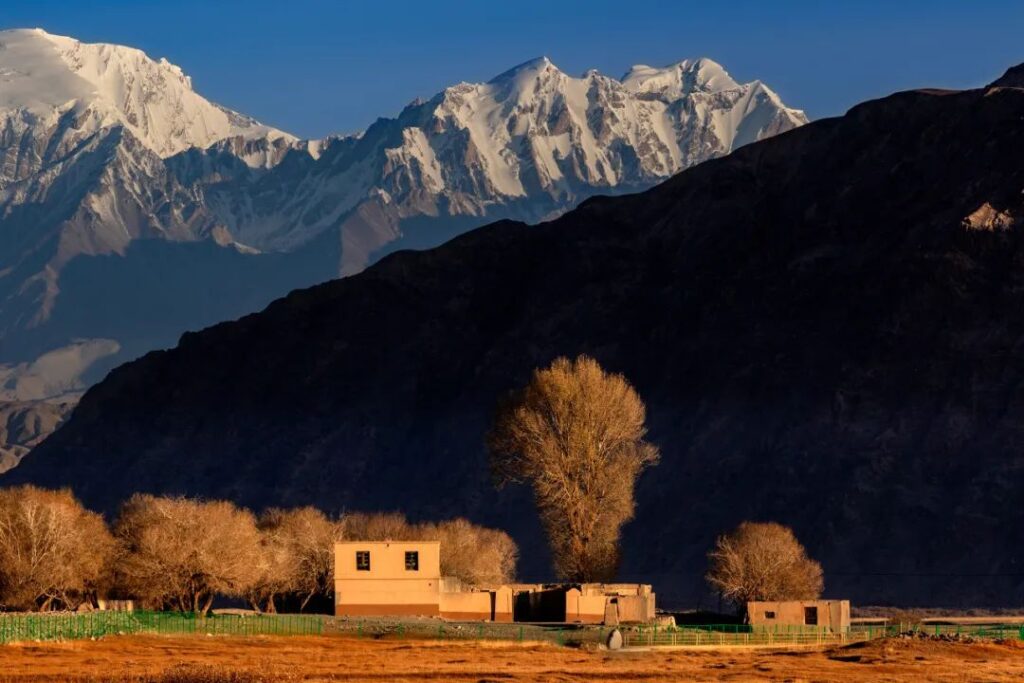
826	327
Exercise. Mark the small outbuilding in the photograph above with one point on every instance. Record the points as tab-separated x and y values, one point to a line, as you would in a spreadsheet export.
833	615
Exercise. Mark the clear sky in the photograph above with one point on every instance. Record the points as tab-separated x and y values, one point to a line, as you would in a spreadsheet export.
314	67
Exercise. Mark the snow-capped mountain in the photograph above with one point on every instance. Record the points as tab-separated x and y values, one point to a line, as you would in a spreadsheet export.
132	209
529	144
46	78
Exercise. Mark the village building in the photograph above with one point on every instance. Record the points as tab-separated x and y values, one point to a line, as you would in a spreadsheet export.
403	578
833	615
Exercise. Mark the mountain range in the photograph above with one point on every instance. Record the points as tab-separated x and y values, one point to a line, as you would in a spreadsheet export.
132	209
825	326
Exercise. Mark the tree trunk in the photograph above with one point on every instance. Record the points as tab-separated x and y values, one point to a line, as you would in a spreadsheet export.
207	604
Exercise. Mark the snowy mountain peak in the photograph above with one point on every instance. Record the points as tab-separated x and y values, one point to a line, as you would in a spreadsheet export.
680	79
527	70
43	77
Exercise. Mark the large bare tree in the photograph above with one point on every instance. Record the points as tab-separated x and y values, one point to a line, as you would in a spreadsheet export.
762	561
53	552
575	433
180	553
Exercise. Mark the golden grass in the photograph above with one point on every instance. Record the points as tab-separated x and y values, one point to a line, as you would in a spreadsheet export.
155	659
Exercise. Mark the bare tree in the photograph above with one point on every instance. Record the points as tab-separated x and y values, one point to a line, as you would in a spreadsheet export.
277	572
298	554
181	553
475	554
576	435
53	552
762	561
377	526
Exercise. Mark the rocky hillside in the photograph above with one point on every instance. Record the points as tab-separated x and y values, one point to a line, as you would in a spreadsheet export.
826	327
133	209
23	425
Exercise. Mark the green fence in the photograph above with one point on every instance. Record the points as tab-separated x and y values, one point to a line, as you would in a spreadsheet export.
990	631
65	626
744	634
68	626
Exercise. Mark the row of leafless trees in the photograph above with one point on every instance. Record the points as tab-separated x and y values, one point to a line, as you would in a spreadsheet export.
180	553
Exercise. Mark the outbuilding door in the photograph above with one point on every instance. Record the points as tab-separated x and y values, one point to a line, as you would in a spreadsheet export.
811	616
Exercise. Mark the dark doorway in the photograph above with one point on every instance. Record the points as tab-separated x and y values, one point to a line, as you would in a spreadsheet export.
811	616
541	605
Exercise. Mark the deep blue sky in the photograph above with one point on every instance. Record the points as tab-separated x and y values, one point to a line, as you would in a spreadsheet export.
313	67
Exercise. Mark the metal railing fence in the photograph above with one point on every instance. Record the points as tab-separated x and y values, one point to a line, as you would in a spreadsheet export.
75	626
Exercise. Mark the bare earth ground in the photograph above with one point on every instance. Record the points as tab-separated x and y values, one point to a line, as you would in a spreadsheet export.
326	658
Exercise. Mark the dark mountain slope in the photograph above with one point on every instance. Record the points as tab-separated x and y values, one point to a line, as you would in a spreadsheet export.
826	326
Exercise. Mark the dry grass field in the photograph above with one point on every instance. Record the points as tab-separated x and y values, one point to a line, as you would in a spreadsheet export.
251	660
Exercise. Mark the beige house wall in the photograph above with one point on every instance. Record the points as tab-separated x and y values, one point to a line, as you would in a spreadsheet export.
584	609
832	614
504	604
635	609
388	588
469	606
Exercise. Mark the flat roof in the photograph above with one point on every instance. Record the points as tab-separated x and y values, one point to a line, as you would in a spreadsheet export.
387	543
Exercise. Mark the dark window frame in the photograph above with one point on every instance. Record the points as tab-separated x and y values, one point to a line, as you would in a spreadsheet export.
362	560
811	615
414	556
769	615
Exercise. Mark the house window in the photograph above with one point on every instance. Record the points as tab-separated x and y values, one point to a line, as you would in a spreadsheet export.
363	560
769	615
412	561
811	616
